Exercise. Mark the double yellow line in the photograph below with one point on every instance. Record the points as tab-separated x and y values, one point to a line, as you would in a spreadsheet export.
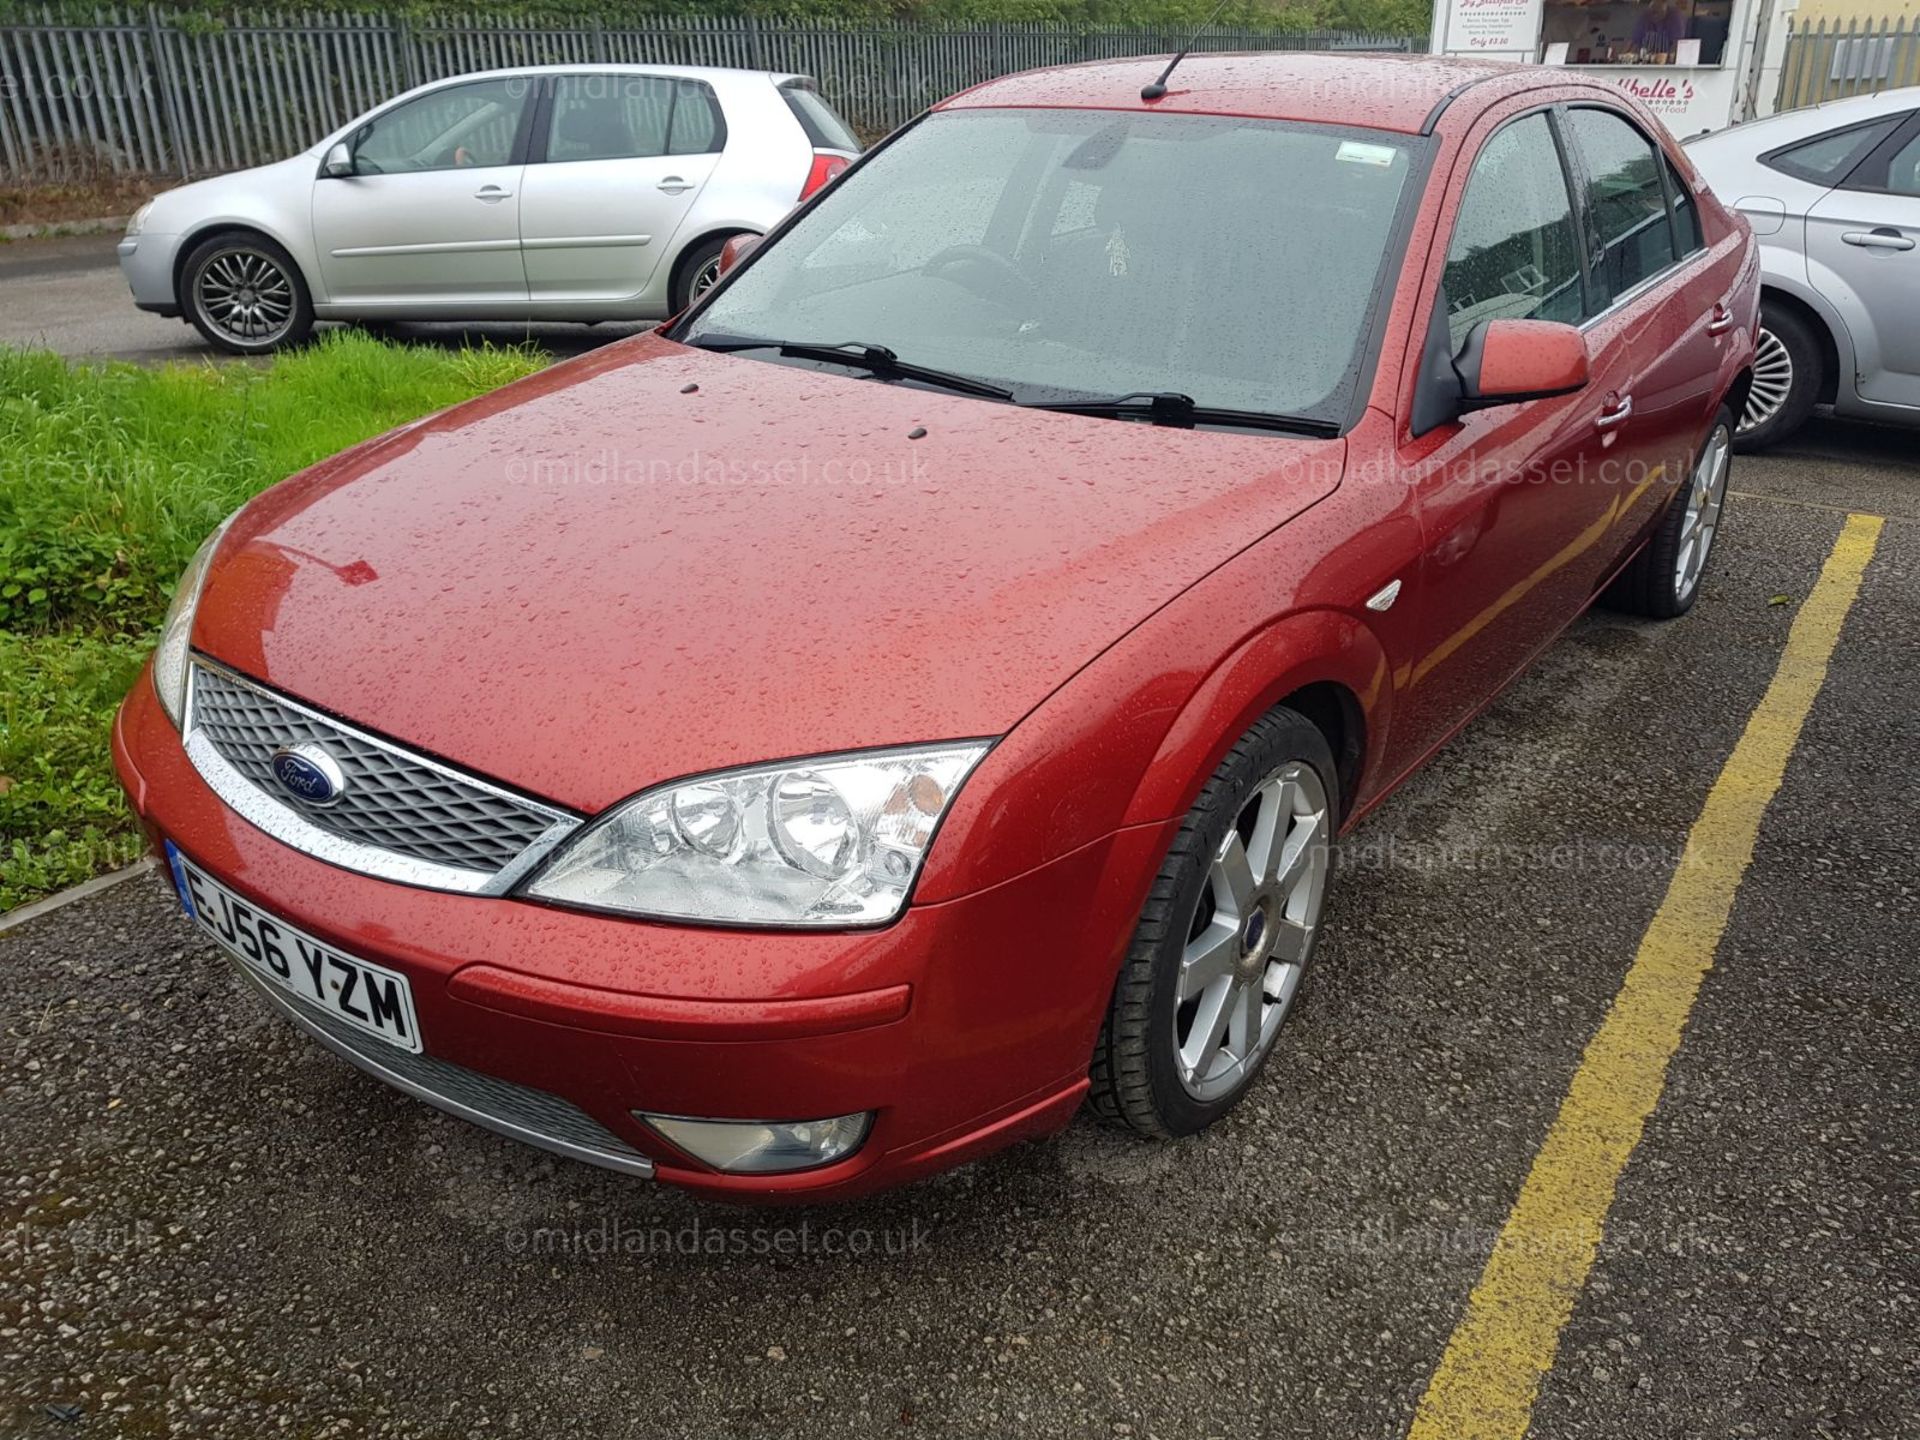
1490	1374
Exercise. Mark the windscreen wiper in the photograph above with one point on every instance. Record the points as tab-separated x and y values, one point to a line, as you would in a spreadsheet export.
1169	407
876	358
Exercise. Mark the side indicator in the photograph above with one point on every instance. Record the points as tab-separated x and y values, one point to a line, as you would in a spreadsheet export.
1383	599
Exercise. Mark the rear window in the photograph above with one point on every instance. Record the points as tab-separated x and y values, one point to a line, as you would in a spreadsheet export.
825	129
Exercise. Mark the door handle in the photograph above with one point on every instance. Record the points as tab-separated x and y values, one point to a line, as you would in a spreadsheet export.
673	185
1607	419
1720	321
1883	237
491	193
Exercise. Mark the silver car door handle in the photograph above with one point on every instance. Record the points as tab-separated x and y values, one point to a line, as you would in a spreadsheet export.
673	185
1607	419
490	193
1884	238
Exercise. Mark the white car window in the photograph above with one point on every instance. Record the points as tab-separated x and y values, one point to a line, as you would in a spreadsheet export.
1903	169
609	117
459	126
1826	159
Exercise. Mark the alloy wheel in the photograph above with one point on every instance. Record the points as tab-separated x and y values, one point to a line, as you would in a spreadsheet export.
1702	519
1251	932
704	277
245	295
1772	381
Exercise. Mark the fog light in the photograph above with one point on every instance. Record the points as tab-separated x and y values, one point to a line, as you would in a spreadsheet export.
764	1147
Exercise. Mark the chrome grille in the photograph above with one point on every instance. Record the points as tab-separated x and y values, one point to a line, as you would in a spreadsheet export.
532	1116
394	801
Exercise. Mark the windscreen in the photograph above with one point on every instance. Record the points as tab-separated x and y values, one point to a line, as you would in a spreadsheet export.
1073	252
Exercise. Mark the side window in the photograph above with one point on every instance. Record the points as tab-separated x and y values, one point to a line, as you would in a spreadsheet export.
1686	213
1903	170
1826	159
1889	168
1515	254
1626	203
459	126
609	117
696	127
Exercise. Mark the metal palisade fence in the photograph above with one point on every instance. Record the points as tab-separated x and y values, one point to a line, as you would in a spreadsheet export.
142	92
1830	60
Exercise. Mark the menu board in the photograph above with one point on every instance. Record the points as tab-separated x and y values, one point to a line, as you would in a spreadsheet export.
1493	27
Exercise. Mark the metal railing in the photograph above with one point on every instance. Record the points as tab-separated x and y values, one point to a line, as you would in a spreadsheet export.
144	92
1829	61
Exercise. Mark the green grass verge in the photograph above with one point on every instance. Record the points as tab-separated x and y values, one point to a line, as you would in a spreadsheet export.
110	476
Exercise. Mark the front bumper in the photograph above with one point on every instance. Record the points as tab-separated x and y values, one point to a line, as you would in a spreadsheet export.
964	1025
147	263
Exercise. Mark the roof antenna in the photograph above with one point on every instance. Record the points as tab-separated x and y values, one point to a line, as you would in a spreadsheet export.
1159	87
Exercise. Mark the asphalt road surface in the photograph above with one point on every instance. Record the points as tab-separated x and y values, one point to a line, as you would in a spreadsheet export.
67	294
212	1228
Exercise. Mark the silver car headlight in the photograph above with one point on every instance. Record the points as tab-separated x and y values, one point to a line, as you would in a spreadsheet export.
170	657
822	843
139	220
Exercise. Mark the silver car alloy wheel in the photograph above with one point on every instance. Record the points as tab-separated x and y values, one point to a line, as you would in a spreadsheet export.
1772	381
245	295
1251	932
1702	519
705	276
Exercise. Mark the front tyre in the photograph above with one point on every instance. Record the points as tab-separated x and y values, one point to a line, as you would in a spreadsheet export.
1664	578
1227	933
245	294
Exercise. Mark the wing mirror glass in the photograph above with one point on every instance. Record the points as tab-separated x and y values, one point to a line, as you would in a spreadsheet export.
339	162
1507	361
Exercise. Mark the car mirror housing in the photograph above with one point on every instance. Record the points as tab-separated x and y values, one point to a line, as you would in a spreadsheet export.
339	162
1507	361
737	248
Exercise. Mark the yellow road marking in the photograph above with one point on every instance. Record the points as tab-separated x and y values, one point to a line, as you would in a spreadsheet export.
1489	1376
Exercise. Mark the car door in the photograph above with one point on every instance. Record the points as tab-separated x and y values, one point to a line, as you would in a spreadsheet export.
1657	300
1863	256
1517	503
616	165
430	215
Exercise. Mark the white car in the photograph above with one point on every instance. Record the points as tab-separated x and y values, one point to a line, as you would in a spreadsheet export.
1833	193
554	193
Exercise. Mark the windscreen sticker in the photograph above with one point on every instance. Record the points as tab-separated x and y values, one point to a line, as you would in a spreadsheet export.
1354	152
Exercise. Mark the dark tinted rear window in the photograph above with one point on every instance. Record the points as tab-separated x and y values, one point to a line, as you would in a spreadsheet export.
825	130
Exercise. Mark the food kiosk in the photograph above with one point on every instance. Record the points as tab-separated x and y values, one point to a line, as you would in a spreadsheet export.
1686	60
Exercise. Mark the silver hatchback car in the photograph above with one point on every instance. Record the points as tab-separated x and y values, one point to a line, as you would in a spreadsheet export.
1833	194
550	193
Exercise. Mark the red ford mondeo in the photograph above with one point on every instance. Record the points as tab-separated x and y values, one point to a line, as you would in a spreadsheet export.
913	694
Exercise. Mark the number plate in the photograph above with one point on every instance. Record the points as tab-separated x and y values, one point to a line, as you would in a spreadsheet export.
357	992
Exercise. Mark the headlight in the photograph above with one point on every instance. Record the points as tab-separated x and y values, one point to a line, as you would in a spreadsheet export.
170	658
828	842
139	220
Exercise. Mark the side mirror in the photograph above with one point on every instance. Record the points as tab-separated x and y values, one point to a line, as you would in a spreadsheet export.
1507	361
339	162
737	248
